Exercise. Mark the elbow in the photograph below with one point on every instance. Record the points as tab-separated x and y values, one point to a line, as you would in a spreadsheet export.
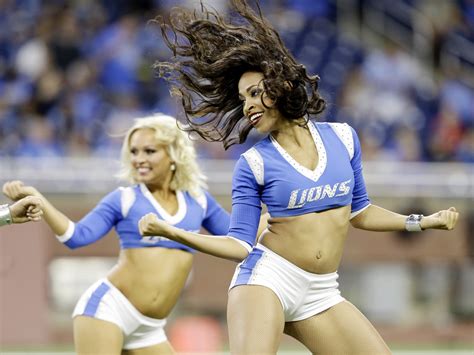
241	250
73	244
244	251
358	218
358	222
357	225
242	256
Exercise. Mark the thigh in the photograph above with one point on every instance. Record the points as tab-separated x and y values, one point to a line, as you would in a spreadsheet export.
255	320
96	336
164	348
342	329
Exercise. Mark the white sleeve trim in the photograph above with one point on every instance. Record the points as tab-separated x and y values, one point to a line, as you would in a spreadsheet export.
353	214
127	198
344	132
201	199
244	244
68	233
255	161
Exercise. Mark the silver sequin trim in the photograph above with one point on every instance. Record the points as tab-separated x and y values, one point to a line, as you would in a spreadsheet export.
322	162
344	132
255	161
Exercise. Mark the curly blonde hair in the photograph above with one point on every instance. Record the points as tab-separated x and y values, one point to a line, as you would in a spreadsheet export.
188	175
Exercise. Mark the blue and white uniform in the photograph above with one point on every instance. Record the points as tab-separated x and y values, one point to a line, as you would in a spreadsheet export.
122	209
267	174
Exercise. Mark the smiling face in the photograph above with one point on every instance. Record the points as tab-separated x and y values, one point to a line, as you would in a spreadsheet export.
150	161
251	92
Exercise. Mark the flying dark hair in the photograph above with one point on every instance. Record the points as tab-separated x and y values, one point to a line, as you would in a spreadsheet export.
209	57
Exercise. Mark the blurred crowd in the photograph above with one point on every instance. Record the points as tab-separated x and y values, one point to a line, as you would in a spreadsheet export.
74	74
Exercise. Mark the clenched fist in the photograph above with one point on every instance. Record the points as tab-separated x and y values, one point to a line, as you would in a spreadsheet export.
150	225
445	219
26	209
16	190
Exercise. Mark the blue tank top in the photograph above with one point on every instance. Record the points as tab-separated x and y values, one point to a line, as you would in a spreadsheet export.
267	174
124	207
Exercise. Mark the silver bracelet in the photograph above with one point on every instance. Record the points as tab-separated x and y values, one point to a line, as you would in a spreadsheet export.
5	215
413	223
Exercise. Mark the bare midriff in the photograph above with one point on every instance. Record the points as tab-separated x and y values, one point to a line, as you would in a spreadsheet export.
152	278
314	242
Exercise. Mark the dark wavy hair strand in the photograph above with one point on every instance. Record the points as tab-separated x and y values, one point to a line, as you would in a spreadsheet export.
209	57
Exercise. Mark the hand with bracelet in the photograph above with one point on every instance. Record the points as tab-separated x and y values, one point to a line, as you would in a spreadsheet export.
376	218
24	210
445	219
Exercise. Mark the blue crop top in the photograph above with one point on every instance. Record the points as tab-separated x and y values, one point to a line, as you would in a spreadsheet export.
124	207
267	173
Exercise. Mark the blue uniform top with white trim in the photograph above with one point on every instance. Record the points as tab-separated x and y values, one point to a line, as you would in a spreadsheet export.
123	208
267	173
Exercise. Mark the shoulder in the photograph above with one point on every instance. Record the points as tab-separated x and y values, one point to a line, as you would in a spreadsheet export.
338	127
252	159
127	198
114	195
201	197
119	200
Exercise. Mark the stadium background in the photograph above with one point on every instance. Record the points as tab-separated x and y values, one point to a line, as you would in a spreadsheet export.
73	75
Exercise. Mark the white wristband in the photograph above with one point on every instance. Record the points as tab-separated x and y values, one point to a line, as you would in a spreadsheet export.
413	223
5	215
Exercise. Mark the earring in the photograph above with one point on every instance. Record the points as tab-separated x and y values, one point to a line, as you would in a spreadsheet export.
173	167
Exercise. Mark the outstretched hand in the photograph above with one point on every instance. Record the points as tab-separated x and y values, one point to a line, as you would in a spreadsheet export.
151	225
26	209
16	190
445	219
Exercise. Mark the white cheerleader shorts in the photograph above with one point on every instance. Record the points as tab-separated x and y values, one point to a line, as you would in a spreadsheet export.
302	294
104	301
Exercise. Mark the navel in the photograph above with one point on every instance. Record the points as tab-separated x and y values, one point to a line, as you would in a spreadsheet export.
319	255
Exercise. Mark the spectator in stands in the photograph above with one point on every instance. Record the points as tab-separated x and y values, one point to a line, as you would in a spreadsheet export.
445	134
309	175
47	45
465	149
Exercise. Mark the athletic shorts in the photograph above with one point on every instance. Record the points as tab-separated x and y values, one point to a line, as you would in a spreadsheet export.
104	301
302	294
